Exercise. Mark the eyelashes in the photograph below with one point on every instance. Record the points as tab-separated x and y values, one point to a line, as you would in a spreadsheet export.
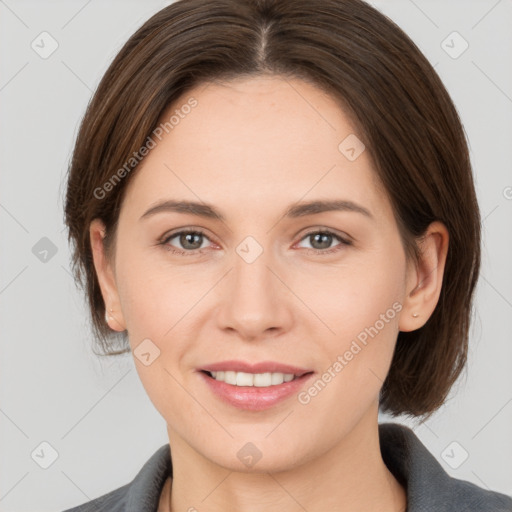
198	232
170	248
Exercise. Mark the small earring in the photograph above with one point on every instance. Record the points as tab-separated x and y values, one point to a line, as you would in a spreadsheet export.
107	316
415	315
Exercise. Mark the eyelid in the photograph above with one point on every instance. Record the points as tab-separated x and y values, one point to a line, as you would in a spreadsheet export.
325	229
188	229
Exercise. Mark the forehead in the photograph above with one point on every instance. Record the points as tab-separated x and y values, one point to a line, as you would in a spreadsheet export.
253	138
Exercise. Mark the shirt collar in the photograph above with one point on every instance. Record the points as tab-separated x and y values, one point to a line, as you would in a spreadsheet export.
428	486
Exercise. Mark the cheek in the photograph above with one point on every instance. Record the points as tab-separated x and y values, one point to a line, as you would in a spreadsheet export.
155	297
155	306
356	358
159	306
361	304
350	299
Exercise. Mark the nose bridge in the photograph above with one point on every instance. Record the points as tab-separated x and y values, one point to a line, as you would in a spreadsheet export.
251	268
255	302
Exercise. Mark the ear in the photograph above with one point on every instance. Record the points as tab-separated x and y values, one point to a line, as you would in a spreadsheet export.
425	280
106	277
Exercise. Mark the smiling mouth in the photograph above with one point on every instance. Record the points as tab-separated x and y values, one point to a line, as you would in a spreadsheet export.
245	379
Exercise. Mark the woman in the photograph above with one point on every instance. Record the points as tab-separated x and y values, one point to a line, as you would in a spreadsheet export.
224	137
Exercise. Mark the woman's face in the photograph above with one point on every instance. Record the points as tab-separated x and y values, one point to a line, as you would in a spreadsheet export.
260	285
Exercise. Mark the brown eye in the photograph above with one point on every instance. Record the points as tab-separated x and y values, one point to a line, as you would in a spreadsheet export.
321	241
188	241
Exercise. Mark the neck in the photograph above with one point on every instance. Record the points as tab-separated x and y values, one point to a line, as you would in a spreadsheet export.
350	476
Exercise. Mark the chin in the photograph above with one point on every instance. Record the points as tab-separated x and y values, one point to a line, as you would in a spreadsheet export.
257	457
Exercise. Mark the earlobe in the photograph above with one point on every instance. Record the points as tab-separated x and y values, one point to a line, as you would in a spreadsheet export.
425	280
106	279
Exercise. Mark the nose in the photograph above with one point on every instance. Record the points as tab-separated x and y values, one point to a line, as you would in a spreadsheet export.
256	302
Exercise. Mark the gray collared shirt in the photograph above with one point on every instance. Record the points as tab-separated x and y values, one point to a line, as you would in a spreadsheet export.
429	487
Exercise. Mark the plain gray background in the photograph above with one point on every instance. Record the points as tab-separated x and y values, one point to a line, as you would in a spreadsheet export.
95	414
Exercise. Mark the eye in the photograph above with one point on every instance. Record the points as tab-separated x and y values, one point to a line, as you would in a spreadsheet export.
189	239
323	239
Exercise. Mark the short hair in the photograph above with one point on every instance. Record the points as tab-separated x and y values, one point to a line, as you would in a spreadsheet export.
395	99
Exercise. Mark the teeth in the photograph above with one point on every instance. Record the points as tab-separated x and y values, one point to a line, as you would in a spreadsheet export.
261	380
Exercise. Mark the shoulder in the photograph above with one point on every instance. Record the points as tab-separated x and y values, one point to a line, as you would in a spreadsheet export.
141	494
428	485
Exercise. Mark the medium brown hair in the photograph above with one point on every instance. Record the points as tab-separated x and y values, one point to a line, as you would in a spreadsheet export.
402	111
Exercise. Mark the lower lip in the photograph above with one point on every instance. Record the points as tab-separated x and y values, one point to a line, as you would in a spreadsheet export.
254	398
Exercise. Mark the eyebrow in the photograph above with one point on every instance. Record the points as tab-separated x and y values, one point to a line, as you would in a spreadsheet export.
294	211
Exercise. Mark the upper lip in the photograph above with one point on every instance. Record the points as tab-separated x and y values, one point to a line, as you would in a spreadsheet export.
262	367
